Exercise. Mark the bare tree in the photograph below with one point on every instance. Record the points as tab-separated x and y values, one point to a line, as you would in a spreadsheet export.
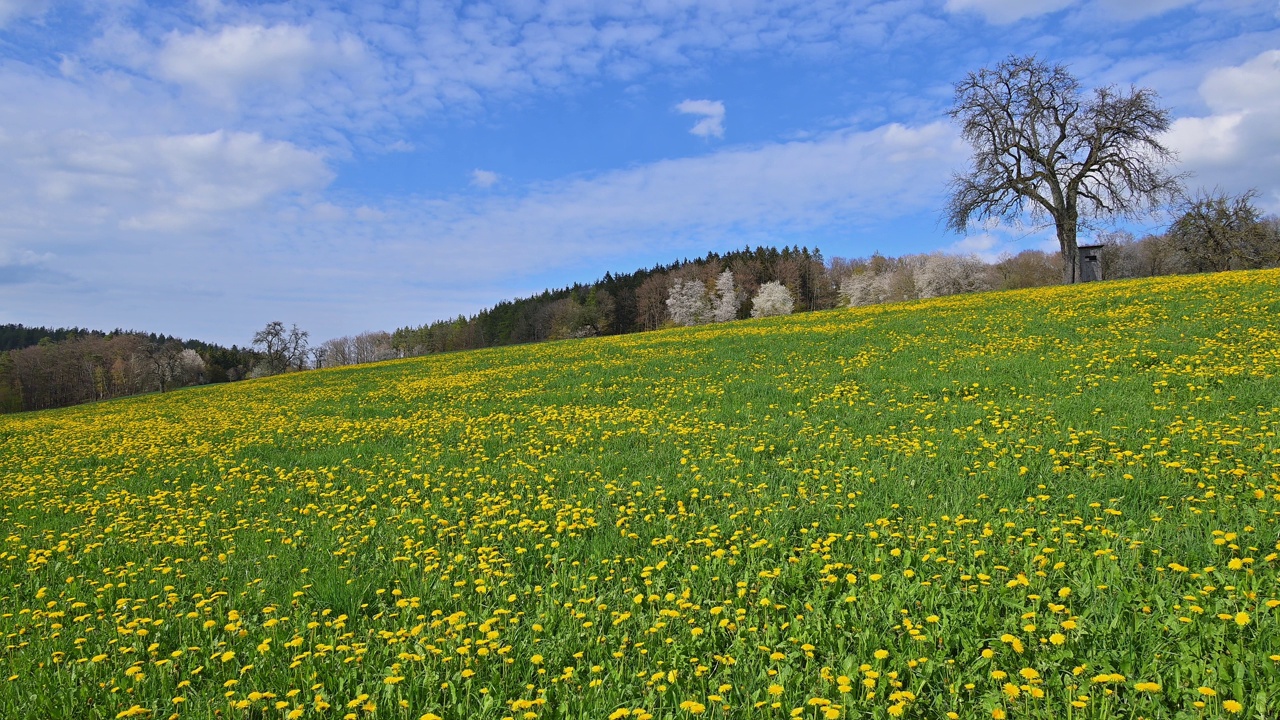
298	347
1043	146
165	362
282	350
273	343
1217	231
1117	257
651	301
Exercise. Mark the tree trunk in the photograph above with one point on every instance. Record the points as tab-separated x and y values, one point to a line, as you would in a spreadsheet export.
1066	226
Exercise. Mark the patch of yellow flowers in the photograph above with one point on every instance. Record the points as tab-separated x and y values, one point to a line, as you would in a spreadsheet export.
1016	505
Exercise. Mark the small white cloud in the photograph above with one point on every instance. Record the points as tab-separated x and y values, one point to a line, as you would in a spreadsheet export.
484	178
1003	12
712	114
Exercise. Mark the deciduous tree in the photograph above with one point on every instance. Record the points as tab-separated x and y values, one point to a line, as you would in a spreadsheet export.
727	298
1218	231
773	299
687	302
1043	146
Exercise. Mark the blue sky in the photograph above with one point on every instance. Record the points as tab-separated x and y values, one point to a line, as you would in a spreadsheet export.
201	168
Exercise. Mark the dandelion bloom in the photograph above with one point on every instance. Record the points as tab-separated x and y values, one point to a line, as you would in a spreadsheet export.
693	707
1232	706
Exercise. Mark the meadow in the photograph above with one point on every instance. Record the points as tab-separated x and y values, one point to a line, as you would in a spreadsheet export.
1054	503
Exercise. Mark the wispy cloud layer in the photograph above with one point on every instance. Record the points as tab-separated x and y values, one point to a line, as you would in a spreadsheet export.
71	178
1007	11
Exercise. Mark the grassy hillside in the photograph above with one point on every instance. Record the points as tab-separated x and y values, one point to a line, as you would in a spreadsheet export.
1059	503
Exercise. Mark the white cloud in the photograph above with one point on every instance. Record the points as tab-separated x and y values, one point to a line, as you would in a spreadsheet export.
711	113
1003	12
1237	145
225	63
151	182
484	178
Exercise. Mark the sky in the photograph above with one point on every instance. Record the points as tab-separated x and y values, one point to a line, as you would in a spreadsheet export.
202	168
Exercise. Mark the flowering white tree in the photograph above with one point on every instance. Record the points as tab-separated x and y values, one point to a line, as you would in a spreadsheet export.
943	274
865	288
772	299
687	302
727	298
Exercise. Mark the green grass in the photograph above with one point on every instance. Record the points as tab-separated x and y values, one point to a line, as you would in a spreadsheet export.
1075	484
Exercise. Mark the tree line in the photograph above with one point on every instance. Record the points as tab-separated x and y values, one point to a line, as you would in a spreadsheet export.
45	368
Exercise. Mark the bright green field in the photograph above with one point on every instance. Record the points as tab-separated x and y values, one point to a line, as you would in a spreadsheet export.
1058	503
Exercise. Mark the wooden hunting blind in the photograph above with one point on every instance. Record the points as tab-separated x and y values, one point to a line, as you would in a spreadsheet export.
1090	262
